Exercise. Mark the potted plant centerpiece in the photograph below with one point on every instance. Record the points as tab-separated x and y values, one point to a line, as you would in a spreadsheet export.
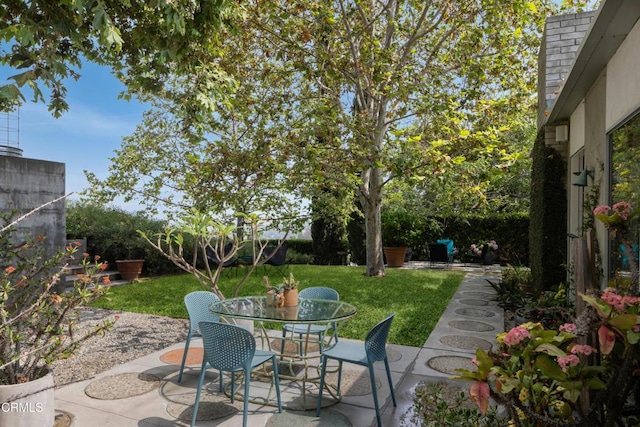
290	291
36	324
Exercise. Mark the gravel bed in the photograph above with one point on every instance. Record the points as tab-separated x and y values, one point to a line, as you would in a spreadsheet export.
132	336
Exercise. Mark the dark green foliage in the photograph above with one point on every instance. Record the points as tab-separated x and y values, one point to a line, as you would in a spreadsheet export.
329	238
509	230
514	287
548	213
111	234
357	236
401	228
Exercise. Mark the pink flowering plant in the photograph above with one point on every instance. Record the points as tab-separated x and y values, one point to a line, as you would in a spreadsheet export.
491	246
537	374
541	376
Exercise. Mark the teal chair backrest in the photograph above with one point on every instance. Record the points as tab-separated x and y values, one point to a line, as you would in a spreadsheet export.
319	292
449	244
198	303
376	342
227	347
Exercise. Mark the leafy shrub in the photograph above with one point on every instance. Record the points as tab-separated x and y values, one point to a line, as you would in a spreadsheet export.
440	404
512	290
112	233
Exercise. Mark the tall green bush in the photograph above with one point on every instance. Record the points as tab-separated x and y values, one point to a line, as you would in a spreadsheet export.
112	233
548	213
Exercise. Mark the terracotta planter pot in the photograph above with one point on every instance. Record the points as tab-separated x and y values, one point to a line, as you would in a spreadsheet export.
291	298
395	255
130	269
35	407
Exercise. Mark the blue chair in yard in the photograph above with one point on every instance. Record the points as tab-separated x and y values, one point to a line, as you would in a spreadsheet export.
232	349
198	309
314	292
373	350
451	249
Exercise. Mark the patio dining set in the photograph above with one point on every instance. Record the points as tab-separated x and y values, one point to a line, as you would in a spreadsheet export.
310	329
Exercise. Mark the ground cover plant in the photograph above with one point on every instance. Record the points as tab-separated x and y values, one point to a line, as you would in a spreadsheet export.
419	297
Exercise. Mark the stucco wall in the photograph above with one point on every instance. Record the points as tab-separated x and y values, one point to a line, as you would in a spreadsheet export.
28	183
623	84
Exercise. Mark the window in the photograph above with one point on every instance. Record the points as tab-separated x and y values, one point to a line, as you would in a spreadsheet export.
625	186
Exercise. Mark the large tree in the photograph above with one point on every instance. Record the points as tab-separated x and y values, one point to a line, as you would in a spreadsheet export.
402	88
142	41
367	91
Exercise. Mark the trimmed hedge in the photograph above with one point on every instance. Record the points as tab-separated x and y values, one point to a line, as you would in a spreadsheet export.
510	231
548	212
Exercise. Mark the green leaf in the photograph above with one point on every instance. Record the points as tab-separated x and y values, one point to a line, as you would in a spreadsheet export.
551	349
624	322
550	368
572	390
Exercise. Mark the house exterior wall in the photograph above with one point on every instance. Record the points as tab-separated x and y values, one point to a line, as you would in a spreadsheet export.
623	84
612	99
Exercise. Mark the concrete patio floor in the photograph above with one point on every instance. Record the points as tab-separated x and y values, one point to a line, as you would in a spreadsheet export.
145	392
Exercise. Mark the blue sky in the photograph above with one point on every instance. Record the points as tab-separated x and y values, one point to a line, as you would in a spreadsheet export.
87	134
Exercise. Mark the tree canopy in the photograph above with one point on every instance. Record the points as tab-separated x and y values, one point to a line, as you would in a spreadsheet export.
144	42
348	95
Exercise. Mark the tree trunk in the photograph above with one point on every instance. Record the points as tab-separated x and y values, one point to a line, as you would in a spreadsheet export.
371	200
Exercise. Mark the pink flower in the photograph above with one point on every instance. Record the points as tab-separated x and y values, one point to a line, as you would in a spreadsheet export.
601	210
516	335
474	361
613	300
622	209
570	360
586	350
569	328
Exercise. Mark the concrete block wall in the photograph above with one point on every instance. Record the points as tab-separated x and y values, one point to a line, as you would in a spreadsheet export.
26	184
561	40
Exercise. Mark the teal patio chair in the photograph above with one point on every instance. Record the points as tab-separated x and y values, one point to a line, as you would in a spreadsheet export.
198	309
233	349
373	350
314	292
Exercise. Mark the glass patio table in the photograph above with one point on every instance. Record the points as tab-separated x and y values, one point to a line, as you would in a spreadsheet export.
301	366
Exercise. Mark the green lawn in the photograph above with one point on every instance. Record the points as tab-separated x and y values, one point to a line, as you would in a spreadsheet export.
418	297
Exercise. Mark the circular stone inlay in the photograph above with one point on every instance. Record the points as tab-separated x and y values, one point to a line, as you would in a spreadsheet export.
475	312
174	357
308	419
475	302
122	386
211	407
449	364
393	355
467	325
477	294
465	343
62	419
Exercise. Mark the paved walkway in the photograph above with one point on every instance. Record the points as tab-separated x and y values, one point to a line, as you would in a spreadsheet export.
145	392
